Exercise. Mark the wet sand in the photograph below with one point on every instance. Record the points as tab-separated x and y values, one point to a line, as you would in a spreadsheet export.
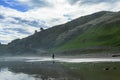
46	68
58	59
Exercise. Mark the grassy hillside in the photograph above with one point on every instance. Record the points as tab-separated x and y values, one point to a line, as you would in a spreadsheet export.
106	35
101	29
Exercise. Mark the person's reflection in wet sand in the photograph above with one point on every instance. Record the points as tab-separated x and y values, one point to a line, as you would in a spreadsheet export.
53	57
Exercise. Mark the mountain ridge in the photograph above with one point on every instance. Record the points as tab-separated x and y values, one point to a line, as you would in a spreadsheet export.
82	32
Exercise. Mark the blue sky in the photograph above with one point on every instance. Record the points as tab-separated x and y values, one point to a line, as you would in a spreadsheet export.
14	5
20	18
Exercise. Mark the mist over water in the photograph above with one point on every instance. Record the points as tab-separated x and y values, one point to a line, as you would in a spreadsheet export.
69	60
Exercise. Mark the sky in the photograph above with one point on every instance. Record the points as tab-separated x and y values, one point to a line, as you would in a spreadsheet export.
20	18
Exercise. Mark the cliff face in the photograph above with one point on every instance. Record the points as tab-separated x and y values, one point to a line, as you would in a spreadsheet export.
101	29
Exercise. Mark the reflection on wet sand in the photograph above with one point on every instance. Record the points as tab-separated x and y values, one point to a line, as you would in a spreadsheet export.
41	70
32	68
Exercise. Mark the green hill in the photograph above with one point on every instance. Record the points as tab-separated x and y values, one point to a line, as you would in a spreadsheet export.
105	35
98	32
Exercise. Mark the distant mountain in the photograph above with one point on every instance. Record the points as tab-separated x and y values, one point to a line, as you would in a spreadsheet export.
95	33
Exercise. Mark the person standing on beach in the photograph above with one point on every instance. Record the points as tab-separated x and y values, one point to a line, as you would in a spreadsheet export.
53	56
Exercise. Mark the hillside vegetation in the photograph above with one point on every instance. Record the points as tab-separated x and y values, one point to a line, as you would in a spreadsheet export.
95	33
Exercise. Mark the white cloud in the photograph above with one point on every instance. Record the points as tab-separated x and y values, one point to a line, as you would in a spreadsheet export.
24	1
49	16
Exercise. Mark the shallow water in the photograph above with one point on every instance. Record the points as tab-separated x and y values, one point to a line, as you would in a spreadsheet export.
6	74
45	68
14	68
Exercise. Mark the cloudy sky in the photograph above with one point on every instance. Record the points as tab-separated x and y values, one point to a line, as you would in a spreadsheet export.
19	18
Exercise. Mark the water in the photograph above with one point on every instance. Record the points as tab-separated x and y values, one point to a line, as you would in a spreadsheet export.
5	74
18	70
45	68
32	68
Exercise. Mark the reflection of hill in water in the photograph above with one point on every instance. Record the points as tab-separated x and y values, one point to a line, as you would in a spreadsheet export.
44	70
41	70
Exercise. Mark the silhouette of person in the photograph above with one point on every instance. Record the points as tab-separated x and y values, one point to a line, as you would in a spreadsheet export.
53	56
